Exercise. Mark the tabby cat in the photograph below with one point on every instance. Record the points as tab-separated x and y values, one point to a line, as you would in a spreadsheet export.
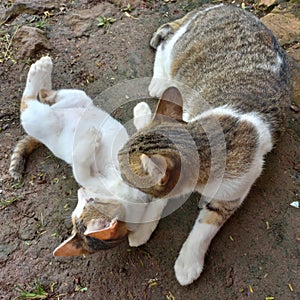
224	85
88	139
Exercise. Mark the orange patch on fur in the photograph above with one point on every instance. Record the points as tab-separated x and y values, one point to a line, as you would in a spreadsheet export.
24	102
116	231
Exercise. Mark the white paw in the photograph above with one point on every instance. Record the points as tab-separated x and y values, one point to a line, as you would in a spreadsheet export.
92	140
135	239
188	266
95	136
39	77
158	85
141	115
142	234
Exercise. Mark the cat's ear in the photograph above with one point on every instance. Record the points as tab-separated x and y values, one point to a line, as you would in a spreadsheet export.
70	247
170	105
113	231
47	96
157	166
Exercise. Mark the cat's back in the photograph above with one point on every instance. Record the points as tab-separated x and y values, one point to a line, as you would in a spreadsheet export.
228	56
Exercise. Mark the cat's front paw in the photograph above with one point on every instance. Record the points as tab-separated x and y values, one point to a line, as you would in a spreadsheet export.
142	234
39	77
188	267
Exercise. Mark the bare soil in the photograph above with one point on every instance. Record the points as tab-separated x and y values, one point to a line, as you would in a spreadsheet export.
256	254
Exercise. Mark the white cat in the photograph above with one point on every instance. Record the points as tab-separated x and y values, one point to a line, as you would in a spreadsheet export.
88	139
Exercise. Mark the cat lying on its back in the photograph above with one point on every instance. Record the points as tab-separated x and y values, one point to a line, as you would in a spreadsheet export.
87	138
214	142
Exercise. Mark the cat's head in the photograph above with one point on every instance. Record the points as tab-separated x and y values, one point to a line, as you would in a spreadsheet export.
150	161
96	226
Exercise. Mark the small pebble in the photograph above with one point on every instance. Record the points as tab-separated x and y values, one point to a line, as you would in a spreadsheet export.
294	108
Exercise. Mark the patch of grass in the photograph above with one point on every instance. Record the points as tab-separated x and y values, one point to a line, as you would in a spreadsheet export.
127	8
6	202
41	24
16	185
80	289
105	22
35	292
6	49
8	4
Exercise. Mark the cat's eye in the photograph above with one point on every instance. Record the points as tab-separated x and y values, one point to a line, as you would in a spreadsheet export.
90	200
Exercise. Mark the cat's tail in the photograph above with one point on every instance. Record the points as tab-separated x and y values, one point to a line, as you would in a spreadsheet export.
20	154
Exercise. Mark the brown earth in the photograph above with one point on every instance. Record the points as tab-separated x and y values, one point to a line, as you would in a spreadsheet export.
256	255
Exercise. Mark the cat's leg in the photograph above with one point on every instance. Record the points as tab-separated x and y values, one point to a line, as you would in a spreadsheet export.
141	115
20	154
84	155
39	77
161	79
163	41
65	98
190	261
143	232
41	122
161	67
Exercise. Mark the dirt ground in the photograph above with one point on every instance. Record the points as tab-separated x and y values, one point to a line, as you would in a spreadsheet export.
256	255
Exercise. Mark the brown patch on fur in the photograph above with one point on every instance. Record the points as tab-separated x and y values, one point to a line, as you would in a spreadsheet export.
194	53
24	100
117	230
217	212
175	25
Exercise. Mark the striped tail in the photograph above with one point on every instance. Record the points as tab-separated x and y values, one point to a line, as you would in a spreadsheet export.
20	154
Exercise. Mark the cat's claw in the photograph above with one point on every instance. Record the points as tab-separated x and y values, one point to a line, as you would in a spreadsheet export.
39	77
188	268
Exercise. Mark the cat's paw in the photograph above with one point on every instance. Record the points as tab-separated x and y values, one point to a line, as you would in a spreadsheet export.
142	234
39	77
158	85
141	115
87	143
161	35
96	136
188	266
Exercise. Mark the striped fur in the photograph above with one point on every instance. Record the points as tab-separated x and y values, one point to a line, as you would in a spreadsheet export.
233	82
20	155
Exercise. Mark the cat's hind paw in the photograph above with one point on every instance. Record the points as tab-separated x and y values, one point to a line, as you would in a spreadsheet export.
39	77
187	268
161	35
141	115
158	85
89	142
